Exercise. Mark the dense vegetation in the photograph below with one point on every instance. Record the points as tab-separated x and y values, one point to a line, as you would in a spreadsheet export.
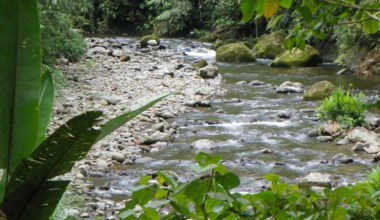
209	197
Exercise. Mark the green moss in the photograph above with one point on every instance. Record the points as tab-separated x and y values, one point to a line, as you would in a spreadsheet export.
208	37
297	57
236	52
144	40
199	64
319	91
269	46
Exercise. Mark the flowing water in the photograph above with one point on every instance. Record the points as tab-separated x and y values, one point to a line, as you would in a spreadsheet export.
247	123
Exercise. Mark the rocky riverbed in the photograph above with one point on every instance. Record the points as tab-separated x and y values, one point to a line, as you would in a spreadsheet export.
258	118
116	75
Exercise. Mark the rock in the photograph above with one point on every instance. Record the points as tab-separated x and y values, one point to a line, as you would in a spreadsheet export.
269	46
85	215
97	50
199	64
266	151
124	58
360	134
159	126
341	158
330	129
297	57
198	103
208	72
241	83
319	91
313	133
236	52
290	87
203	144
345	72
152	42
112	100
256	83
119	157
117	53
101	164
343	141
144	160
103	102
372	149
324	138
62	61
146	140
284	114
316	179
149	38
359	146
376	158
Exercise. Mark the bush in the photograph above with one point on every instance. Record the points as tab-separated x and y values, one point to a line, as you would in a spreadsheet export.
344	107
59	39
209	197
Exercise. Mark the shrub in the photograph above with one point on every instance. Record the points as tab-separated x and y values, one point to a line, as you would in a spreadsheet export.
59	39
209	197
343	107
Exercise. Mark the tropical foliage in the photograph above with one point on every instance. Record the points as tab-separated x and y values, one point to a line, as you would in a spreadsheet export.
210	196
344	107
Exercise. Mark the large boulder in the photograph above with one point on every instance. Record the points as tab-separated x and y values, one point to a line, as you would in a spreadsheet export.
319	91
149	40
269	46
360	134
297	57
236	52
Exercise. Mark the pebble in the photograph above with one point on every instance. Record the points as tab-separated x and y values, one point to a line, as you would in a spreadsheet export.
119	157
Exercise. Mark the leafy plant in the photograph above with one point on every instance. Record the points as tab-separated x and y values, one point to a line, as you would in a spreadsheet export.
343	107
29	162
209	196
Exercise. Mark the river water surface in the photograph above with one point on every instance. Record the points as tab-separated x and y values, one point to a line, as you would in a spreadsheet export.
244	121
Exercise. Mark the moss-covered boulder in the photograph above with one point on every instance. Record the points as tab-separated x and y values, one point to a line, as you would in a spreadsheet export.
236	52
199	64
269	46
297	57
319	91
149	39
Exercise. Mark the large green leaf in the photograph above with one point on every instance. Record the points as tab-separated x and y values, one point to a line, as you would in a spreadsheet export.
115	123
55	156
46	104
20	68
248	9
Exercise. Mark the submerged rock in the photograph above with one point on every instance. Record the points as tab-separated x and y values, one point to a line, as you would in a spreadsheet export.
297	57
319	91
256	83
269	46
290	87
236	52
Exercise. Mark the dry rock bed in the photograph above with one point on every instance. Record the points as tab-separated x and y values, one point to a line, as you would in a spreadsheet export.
117	75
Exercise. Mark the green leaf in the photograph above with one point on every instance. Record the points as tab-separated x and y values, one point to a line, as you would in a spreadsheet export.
45	104
55	156
228	180
43	205
286	3
306	13
371	26
204	159
168	179
20	83
120	120
144	195
248	8
270	8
